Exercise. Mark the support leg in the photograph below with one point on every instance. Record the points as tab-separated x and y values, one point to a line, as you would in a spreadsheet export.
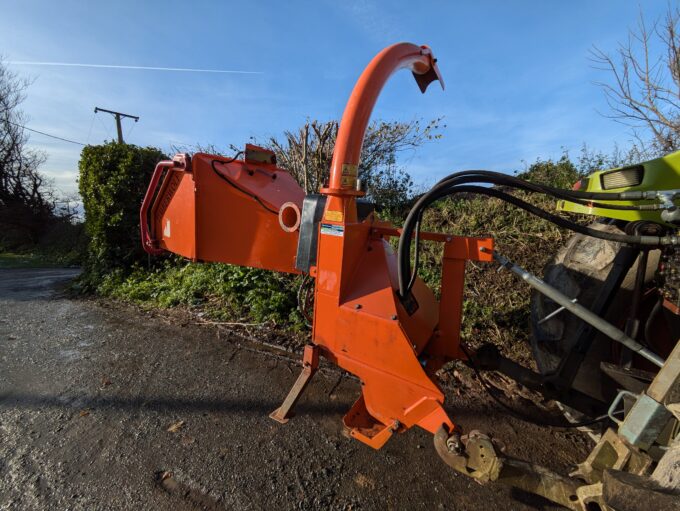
310	364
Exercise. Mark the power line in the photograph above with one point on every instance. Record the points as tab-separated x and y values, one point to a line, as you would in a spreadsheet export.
46	134
130	130
107	128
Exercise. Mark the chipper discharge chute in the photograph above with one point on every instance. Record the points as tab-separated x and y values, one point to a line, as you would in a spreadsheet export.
373	316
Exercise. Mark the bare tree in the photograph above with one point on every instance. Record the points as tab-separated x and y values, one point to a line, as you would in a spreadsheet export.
645	90
26	200
307	153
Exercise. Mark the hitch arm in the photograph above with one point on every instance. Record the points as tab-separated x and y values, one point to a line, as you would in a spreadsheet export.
480	461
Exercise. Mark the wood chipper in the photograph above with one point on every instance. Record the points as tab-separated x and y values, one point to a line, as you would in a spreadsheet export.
376	319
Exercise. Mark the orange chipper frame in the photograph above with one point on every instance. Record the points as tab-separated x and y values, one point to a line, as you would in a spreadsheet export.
250	212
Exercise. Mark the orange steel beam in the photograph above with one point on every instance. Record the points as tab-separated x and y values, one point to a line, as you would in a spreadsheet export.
392	232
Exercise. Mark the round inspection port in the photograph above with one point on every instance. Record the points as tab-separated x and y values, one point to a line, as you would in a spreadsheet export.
289	217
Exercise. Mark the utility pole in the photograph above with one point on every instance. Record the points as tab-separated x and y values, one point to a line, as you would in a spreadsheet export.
118	116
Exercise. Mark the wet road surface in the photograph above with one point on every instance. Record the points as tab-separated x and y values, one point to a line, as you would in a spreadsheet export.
103	406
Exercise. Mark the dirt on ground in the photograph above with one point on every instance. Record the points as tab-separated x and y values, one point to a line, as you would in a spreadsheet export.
105	406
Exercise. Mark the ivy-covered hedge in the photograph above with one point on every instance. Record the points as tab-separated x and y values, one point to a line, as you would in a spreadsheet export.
219	291
113	180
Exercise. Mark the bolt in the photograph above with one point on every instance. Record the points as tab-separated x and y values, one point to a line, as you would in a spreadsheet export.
395	426
394	316
454	444
357	306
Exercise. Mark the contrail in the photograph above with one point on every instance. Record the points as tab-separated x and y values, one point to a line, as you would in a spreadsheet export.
146	68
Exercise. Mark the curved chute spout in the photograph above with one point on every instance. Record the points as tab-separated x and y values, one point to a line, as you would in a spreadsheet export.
420	61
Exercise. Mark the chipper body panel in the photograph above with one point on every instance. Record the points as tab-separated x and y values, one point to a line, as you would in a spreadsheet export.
211	208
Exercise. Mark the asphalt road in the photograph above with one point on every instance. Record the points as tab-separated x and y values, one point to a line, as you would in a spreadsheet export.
89	391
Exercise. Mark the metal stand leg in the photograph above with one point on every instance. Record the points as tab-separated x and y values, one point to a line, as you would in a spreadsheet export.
310	364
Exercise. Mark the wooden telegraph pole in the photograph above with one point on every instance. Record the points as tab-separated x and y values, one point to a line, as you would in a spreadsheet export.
118	116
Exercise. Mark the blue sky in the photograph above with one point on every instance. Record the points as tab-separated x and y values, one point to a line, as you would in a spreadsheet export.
519	82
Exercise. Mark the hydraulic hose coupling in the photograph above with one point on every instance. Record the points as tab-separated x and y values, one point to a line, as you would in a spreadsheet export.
671	215
665	240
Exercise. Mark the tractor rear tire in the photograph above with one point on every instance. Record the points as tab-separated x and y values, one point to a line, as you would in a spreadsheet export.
578	270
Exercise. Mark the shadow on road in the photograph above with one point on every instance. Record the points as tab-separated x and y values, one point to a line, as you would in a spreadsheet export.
15	400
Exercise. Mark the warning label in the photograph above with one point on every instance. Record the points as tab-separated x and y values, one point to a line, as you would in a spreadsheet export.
333	230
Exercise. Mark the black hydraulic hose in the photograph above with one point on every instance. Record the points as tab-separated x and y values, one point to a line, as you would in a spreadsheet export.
230	182
649	335
503	179
416	253
551	190
454	185
569	195
407	231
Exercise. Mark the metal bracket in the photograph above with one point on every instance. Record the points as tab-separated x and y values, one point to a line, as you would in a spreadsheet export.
312	212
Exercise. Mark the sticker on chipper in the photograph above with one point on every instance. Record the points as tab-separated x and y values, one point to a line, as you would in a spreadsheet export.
334	216
333	230
349	170
348	181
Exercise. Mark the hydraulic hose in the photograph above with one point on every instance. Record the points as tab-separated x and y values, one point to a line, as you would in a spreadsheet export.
456	184
551	190
584	198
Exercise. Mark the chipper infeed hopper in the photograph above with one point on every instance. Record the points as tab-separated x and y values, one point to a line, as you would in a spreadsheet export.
372	317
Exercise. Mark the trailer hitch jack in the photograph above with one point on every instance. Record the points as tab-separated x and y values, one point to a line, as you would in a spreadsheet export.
310	364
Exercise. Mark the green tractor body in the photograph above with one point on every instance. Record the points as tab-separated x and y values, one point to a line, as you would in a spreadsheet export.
659	174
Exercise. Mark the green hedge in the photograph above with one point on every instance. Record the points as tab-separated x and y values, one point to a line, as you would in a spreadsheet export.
113	180
220	291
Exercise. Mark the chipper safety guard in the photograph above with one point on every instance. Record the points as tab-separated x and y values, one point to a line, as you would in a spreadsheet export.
372	316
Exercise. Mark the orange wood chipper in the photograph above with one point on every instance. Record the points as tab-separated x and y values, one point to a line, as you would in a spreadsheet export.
372	316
